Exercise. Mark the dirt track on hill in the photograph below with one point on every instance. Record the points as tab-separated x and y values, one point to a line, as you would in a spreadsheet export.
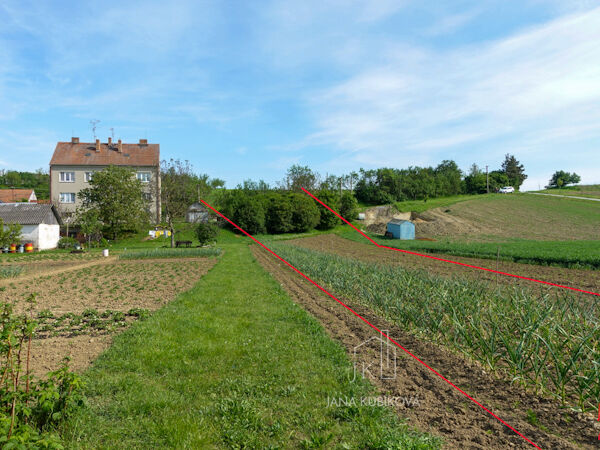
578	278
441	409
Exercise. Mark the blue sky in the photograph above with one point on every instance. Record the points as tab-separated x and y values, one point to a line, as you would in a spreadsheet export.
245	89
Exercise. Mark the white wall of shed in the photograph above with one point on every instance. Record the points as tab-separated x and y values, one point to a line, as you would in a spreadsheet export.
48	236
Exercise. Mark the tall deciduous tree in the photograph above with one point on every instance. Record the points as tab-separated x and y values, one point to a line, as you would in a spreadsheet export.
348	206
90	224
514	170
180	187
178	191
561	178
116	195
298	177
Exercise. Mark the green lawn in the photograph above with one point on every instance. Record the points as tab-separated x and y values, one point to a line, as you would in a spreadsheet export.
232	363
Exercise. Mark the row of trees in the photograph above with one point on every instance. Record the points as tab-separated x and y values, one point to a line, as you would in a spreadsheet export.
279	211
113	203
386	185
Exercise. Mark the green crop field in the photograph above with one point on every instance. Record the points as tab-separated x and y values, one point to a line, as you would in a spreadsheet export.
549	343
572	254
232	363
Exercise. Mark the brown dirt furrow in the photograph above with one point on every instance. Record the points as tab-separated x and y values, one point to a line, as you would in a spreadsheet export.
579	278
441	409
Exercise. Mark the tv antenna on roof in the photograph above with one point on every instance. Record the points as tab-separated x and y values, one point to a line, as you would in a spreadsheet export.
94	123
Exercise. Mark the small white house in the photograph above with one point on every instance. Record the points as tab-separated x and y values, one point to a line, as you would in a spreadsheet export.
41	223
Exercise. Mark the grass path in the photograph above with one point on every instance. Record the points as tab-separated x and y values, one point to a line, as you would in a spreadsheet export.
231	363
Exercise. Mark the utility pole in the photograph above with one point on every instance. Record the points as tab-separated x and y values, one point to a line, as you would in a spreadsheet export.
487	180
340	187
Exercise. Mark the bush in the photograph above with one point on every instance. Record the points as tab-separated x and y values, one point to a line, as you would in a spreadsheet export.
349	206
279	215
206	232
305	214
250	215
67	242
10	233
246	211
327	219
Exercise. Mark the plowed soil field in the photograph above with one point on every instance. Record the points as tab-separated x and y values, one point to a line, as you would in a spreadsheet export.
92	293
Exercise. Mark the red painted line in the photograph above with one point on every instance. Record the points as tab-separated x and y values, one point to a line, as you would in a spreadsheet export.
599	419
372	326
449	260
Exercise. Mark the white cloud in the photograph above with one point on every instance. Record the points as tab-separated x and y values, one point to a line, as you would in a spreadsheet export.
539	89
451	23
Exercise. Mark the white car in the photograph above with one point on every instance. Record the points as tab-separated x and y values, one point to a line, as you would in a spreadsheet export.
507	190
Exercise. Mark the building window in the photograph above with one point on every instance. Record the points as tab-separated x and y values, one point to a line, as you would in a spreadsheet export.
67	177
88	176
67	197
144	177
147	196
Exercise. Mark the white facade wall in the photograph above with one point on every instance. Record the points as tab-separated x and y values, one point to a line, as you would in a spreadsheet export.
43	237
48	236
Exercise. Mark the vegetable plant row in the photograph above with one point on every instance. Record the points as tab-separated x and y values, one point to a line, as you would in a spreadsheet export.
549	342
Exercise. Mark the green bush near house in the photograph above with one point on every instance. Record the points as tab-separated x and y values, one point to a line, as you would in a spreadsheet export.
206	232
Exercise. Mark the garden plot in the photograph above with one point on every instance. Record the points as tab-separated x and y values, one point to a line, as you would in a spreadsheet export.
549	422
78	309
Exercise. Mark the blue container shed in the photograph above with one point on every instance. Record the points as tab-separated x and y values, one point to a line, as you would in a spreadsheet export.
401	229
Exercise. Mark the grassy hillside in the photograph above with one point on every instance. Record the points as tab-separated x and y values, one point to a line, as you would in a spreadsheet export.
534	217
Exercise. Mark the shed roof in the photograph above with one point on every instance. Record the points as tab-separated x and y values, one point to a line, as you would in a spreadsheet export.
28	213
85	154
197	207
14	195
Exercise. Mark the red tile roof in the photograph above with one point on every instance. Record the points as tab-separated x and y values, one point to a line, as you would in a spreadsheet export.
85	154
15	195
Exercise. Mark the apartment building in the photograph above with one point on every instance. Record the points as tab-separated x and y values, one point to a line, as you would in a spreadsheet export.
73	164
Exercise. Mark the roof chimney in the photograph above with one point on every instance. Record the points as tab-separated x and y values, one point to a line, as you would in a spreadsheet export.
120	146
97	145
143	141
109	141
74	140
